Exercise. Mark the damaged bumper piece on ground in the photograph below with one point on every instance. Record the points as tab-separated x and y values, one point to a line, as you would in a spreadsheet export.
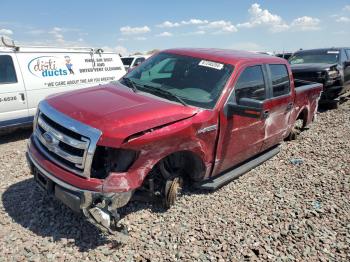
101	209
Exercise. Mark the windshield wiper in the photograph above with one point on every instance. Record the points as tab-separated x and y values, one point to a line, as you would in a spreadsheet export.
130	83
166	93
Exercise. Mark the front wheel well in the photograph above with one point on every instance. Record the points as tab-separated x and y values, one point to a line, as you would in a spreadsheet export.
303	116
184	163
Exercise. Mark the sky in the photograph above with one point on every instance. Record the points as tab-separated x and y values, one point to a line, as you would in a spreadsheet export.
139	26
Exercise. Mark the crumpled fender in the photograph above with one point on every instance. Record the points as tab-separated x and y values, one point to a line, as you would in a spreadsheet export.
157	144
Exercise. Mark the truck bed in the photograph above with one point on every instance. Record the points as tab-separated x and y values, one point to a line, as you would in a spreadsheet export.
303	85
307	95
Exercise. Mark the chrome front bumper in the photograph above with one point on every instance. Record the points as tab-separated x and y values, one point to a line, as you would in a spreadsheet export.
100	209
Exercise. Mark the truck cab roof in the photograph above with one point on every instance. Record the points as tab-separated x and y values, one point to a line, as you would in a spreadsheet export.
317	50
226	56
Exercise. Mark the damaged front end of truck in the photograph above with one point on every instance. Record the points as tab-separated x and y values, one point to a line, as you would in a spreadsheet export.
97	174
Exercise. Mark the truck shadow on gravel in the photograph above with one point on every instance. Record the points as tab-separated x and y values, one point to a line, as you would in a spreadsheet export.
33	209
15	135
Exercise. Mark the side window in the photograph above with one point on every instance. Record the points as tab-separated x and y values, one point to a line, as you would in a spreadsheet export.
7	70
280	80
251	84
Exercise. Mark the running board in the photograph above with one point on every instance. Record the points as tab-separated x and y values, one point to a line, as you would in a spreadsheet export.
223	179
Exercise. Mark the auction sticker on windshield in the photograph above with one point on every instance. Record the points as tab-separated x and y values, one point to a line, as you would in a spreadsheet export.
211	64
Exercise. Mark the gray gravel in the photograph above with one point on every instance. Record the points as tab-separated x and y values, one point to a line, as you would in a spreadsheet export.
296	206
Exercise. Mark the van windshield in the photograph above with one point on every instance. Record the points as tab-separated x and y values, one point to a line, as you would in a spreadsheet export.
195	81
322	56
127	61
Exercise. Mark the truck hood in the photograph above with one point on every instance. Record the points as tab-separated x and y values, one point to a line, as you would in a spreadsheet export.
117	111
312	67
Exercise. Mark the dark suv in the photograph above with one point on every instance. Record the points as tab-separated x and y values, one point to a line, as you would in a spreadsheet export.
329	66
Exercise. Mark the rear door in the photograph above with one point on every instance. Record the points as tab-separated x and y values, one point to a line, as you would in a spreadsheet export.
13	99
279	107
241	137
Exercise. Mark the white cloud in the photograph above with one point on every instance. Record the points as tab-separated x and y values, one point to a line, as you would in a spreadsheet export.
194	21
56	32
165	34
220	26
343	19
260	17
168	24
36	32
305	23
6	32
118	49
127	30
140	38
275	23
346	8
248	46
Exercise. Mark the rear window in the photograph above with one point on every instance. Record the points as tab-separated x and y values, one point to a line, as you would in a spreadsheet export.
7	70
280	80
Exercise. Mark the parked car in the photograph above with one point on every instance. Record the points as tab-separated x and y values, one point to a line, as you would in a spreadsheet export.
29	74
133	61
195	116
285	55
329	66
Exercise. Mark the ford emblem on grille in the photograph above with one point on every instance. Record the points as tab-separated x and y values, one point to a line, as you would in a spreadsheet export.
48	138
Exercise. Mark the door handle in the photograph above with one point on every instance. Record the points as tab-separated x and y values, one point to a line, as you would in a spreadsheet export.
23	98
289	106
266	114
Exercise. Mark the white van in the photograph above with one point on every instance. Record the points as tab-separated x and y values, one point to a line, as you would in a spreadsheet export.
134	60
29	74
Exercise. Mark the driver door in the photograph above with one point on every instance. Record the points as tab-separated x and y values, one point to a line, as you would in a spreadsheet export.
242	136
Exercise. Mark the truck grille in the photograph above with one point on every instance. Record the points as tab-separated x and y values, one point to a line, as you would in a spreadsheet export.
65	141
310	76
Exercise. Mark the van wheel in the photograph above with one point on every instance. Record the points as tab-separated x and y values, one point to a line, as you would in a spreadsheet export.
298	127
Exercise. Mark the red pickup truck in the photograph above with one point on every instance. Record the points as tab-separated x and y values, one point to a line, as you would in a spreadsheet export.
196	116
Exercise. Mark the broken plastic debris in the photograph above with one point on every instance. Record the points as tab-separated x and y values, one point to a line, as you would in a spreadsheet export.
296	161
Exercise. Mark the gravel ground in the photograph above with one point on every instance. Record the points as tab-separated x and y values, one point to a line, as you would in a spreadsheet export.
295	206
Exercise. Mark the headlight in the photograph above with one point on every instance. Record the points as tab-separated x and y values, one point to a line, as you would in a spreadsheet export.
334	73
36	118
107	159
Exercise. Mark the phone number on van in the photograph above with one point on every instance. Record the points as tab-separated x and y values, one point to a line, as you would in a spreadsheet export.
7	99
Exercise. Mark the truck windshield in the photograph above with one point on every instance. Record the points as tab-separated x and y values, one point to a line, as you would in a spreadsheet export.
127	61
323	57
194	81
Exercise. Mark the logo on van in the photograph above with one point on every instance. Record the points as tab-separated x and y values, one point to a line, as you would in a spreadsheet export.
50	66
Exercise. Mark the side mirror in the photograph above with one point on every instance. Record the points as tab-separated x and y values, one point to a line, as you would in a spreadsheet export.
346	64
247	107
